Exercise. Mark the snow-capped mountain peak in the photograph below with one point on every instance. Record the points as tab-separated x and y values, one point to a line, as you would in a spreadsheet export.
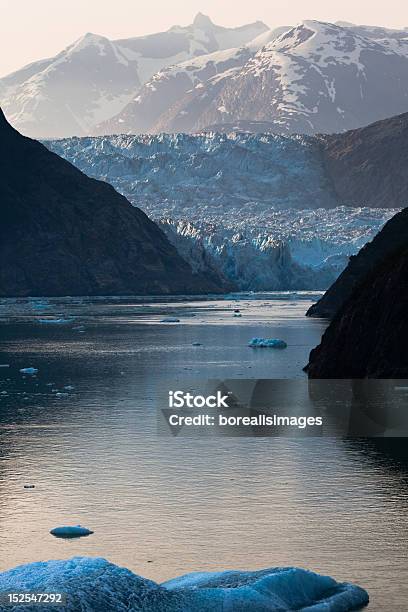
202	21
313	77
94	78
308	78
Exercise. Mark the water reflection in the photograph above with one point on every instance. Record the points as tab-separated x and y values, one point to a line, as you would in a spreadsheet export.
164	506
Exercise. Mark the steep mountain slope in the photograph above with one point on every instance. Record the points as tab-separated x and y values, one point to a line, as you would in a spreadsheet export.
154	108
94	78
369	165
62	233
89	81
369	335
315	77
173	87
391	239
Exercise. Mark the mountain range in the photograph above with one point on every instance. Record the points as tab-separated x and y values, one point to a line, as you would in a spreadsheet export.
94	78
315	77
63	233
310	78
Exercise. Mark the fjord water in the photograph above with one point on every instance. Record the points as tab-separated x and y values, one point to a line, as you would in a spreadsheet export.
83	431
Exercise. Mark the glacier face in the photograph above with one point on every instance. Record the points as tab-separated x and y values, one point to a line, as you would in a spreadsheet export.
95	584
257	208
282	249
170	174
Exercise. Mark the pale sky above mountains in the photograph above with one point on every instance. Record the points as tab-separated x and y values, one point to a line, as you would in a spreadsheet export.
32	30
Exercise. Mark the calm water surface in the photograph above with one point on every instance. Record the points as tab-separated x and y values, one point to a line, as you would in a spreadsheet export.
165	506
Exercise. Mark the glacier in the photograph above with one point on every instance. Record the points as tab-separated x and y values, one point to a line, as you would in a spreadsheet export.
258	208
94	584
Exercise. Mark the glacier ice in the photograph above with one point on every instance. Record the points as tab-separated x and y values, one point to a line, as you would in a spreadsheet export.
256	207
267	343
75	531
93	584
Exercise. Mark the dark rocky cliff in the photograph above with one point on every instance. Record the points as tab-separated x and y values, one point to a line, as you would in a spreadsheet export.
62	233
392	238
368	166
369	335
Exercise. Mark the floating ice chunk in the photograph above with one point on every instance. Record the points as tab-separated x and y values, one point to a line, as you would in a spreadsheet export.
267	343
69	387
170	320
95	584
30	371
196	344
61	321
4	365
40	305
71	532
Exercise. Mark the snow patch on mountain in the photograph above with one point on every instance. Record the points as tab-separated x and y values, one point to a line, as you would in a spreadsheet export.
94	78
315	77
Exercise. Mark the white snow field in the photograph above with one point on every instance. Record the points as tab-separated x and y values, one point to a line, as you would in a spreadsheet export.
94	584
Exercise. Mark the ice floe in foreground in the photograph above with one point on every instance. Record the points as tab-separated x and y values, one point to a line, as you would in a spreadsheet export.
70	532
94	584
267	343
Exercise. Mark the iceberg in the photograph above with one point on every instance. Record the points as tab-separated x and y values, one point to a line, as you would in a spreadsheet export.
57	321
267	343
70	532
95	584
29	371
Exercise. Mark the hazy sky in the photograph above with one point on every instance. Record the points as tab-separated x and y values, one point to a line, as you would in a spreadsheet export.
35	29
